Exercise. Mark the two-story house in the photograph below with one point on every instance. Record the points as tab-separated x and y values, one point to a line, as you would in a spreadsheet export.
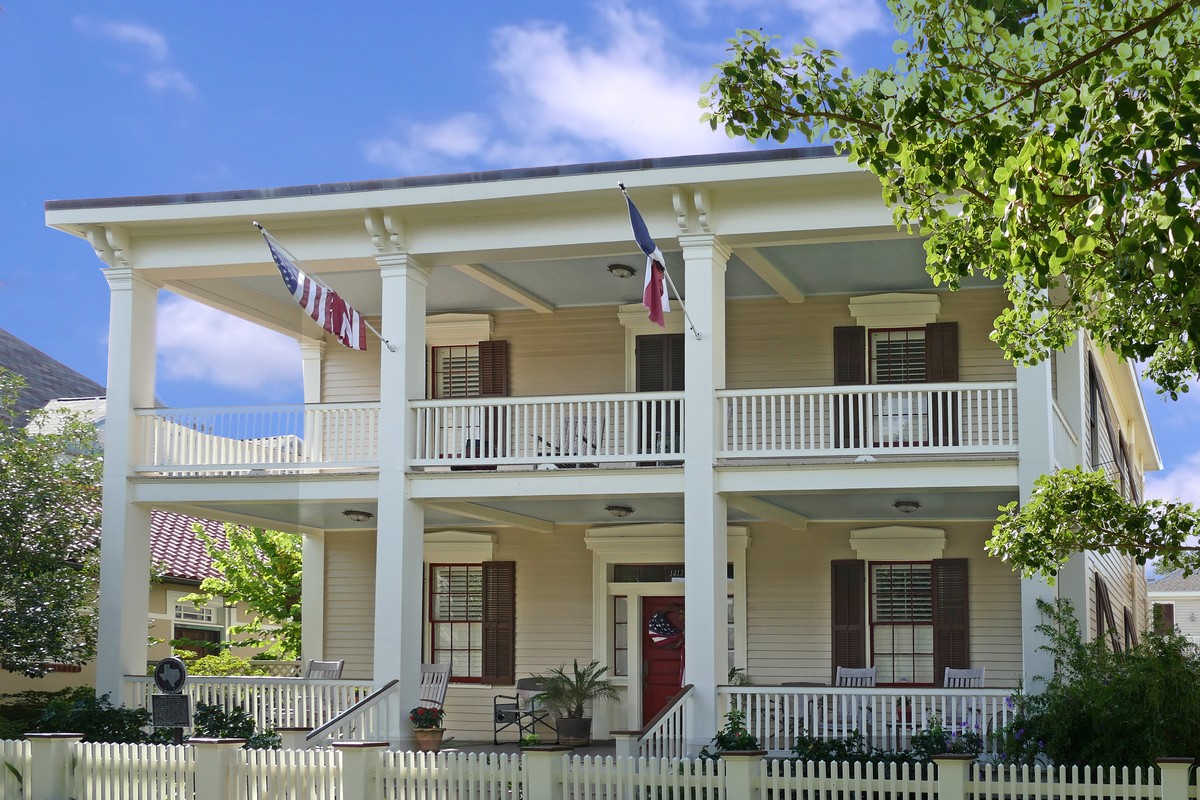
798	475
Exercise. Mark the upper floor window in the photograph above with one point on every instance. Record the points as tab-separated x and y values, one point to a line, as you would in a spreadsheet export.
897	356
455	371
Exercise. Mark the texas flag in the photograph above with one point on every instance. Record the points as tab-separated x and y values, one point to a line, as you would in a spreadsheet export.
654	291
324	305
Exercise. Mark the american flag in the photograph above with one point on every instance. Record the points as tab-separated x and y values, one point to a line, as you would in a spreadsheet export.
663	631
324	305
654	291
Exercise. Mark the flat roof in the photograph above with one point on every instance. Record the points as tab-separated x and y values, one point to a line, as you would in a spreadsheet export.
486	176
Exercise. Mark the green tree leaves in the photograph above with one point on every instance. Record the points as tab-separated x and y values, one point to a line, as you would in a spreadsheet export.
49	517
1052	146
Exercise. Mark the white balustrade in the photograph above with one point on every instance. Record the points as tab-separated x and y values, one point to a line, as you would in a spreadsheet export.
575	431
1066	443
900	418
666	738
276	439
273	702
886	717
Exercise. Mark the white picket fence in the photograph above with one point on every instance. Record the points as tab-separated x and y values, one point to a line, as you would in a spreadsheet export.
14	762
52	768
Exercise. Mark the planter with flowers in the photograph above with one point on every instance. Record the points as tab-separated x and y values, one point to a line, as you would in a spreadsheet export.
427	728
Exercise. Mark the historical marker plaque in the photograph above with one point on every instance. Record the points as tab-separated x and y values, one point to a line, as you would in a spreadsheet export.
171	710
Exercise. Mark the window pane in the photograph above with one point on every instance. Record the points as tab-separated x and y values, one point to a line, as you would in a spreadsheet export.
902	622
898	356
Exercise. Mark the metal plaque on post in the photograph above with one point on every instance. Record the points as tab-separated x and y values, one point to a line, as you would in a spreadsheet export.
172	709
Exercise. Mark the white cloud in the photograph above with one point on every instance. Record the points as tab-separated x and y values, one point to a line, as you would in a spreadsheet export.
198	343
151	44
618	94
1180	483
831	22
170	80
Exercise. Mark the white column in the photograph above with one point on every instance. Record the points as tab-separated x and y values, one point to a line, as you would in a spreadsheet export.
1072	401
1035	413
399	547
312	351
125	529
705	546
312	599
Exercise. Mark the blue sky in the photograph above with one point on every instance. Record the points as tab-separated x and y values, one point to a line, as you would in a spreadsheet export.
132	98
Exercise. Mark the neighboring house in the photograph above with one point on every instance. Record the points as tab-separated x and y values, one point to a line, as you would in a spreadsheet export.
178	556
1176	603
536	473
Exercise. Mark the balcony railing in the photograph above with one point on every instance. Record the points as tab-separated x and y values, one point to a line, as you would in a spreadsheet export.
584	430
578	431
912	419
272	439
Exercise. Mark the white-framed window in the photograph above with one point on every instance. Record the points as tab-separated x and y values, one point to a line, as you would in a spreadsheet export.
897	355
902	621
456	619
454	371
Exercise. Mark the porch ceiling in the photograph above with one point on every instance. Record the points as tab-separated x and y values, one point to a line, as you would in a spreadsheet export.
940	506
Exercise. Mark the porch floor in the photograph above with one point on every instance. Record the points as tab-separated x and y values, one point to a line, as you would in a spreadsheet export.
596	748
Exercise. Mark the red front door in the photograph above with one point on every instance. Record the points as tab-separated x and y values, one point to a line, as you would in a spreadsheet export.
662	652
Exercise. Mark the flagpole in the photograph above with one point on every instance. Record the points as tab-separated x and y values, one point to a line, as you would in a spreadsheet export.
670	282
321	283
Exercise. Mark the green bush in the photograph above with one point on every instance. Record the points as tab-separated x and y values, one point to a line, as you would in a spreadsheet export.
1103	708
224	663
734	736
855	749
937	739
20	711
97	719
212	721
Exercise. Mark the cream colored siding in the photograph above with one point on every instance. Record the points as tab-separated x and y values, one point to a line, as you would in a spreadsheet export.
1126	588
788	586
572	351
350	601
979	358
351	376
1187	614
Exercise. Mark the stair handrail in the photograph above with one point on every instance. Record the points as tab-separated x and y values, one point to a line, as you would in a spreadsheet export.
357	710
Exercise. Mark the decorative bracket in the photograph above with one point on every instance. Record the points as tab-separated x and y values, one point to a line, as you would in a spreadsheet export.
387	230
111	244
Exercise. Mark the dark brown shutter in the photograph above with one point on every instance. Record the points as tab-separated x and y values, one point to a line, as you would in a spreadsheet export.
1106	621
493	368
849	611
659	359
849	355
951	616
1131	636
499	622
941	352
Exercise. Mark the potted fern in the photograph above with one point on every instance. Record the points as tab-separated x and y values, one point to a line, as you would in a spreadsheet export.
569	696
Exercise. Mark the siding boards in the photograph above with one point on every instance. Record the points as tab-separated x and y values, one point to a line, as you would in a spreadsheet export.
350	601
572	351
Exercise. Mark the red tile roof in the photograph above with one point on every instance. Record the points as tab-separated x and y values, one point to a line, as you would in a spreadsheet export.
177	550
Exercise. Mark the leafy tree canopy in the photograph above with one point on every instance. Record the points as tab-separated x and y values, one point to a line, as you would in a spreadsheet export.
1072	510
262	569
49	516
1052	146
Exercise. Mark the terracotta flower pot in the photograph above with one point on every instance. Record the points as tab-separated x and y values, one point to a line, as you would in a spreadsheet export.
429	740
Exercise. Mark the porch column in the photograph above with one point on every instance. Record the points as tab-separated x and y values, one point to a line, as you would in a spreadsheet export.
312	599
312	353
125	529
705	546
1072	401
1035	411
399	546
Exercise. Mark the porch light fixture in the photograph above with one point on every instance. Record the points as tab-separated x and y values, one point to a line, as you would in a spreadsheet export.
357	516
621	271
906	506
619	511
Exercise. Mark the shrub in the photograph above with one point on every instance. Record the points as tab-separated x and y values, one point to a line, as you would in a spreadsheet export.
20	711
1103	708
853	748
734	736
937	739
224	663
80	711
212	721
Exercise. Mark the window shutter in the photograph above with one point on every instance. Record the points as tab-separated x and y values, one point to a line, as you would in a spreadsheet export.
849	355
941	352
659	360
849	611
1105	620
493	368
1164	617
499	622
951	616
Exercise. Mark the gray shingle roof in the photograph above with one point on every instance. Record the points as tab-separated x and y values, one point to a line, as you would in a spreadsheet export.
47	379
1175	582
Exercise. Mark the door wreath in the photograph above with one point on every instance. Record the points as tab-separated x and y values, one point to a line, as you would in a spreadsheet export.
665	627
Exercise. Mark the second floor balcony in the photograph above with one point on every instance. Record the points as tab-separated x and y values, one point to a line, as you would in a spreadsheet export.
908	421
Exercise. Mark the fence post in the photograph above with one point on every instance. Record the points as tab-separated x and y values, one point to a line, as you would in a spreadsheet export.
1174	777
741	773
214	766
49	773
952	775
293	738
626	742
360	766
543	768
